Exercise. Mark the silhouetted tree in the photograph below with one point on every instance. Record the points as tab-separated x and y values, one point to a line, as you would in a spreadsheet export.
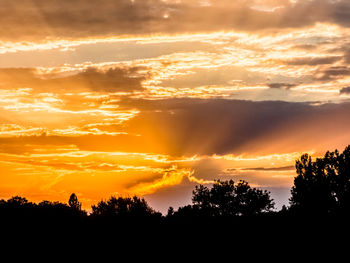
189	211
53	210
322	186
170	211
74	203
123	207
17	201
16	208
226	198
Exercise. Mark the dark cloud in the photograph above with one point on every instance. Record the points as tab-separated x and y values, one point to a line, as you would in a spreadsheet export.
304	47
334	72
194	126
313	61
80	18
112	80
281	85
270	169
345	90
346	51
341	12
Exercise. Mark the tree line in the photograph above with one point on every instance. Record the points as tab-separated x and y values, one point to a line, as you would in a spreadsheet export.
321	188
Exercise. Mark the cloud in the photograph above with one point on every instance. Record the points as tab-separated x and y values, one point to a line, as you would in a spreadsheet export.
218	126
345	90
268	169
90	79
79	18
313	61
335	72
190	127
70	96
281	85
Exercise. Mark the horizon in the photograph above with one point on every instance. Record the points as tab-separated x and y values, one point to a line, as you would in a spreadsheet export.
153	97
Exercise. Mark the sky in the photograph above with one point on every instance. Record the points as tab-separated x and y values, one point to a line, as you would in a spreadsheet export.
153	97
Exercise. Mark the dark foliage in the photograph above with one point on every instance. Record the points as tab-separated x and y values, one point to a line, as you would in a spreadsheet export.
227	199
18	214
322	187
118	207
74	203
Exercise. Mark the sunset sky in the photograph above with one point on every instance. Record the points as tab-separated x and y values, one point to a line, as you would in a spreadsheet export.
151	97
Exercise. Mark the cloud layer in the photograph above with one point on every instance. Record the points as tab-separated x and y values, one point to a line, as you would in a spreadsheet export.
81	18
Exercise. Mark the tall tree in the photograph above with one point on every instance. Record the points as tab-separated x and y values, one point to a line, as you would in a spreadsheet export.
322	186
74	203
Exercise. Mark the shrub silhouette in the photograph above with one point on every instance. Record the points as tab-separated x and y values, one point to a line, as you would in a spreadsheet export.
225	198
322	187
123	208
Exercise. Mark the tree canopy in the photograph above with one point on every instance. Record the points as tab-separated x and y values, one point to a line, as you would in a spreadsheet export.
322	186
225	198
122	207
74	203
